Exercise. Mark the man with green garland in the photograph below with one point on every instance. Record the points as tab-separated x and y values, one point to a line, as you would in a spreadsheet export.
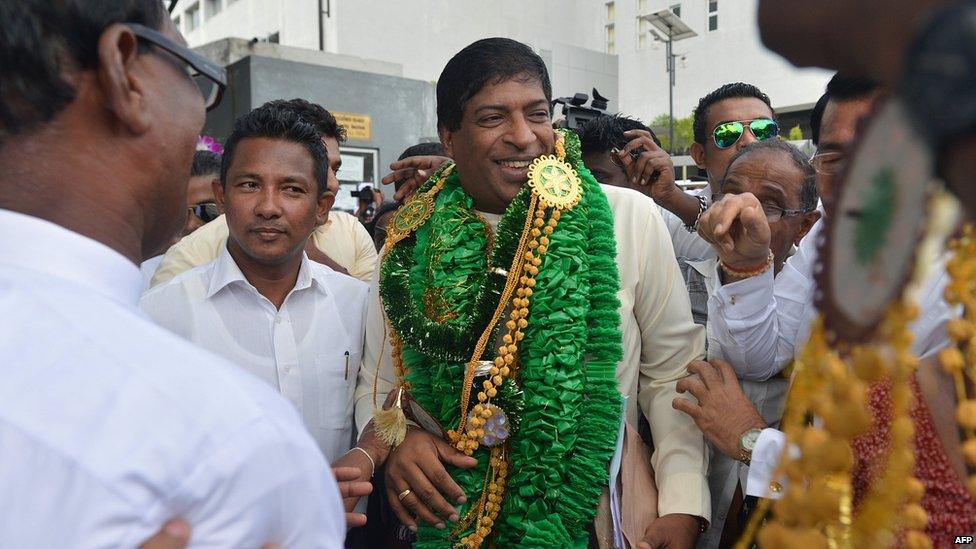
517	300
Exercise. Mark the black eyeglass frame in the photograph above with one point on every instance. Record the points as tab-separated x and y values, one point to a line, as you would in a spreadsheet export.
205	67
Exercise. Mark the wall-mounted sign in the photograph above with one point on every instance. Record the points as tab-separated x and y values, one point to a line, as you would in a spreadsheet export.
358	126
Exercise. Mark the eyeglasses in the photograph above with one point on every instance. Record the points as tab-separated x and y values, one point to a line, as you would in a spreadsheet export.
728	133
207	211
209	77
773	212
828	163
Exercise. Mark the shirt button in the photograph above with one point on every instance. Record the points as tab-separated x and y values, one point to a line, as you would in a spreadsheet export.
775	487
277	320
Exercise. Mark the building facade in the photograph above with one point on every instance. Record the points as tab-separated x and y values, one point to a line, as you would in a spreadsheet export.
585	43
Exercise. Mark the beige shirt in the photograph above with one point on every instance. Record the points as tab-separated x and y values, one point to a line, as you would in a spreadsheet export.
659	340
343	238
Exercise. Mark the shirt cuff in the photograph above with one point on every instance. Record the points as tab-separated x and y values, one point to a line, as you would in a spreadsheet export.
746	298
684	493
765	460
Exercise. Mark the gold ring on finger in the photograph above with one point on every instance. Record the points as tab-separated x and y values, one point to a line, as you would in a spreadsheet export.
403	494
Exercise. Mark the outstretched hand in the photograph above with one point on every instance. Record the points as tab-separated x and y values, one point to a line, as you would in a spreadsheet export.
412	171
737	229
723	413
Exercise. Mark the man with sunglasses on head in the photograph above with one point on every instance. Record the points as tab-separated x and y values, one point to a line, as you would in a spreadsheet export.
725	121
110	426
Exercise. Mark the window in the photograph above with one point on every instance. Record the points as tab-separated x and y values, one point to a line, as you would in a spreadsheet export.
611	12
676	9
643	28
611	39
212	7
712	15
274	38
192	17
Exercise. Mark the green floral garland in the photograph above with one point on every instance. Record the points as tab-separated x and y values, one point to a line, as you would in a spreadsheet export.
570	406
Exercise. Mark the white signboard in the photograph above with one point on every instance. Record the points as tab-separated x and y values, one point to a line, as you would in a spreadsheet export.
353	168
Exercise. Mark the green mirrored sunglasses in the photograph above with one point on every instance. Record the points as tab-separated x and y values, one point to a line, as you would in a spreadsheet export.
727	133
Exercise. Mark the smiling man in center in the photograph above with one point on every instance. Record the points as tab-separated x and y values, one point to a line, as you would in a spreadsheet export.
523	298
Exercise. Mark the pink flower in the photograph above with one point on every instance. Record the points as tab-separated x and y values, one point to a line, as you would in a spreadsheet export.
207	143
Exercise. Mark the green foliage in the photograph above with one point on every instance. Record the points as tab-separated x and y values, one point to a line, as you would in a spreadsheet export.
684	134
796	134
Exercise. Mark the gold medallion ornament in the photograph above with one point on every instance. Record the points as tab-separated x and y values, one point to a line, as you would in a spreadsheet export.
555	182
415	212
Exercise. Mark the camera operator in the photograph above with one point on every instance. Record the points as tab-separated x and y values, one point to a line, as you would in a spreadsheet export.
369	201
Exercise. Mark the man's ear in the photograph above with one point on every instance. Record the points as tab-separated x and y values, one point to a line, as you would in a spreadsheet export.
122	78
806	223
697	151
219	196
325	203
447	140
214	183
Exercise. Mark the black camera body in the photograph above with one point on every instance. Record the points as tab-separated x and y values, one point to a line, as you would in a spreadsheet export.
577	113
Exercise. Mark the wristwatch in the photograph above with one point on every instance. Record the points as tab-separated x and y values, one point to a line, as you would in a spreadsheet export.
938	84
747	442
702	206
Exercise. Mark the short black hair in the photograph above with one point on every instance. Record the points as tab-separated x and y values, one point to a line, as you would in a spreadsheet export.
487	61
840	88
808	190
313	113
41	38
604	133
278	123
434	148
728	91
205	163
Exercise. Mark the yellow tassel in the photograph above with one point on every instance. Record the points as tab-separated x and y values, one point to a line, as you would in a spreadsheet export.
391	423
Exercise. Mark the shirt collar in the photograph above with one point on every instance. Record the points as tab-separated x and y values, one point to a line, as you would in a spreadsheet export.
38	245
226	272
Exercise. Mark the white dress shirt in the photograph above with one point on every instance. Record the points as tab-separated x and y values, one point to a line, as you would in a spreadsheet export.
659	340
688	244
761	325
309	350
110	426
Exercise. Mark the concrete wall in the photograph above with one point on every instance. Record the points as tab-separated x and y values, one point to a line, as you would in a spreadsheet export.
402	110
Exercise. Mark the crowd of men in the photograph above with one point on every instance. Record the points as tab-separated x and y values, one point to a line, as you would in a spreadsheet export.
224	394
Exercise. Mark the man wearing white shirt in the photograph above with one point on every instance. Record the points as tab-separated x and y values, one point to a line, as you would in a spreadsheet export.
109	425
761	325
296	324
340	242
785	185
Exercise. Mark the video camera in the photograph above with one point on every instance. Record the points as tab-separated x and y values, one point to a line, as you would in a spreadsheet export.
576	113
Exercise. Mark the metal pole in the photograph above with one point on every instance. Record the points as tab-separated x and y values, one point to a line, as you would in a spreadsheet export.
321	28
670	96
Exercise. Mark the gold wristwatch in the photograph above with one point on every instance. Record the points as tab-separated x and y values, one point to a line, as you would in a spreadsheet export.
747	442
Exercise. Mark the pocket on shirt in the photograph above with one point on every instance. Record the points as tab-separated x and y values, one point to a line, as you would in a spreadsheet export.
337	386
